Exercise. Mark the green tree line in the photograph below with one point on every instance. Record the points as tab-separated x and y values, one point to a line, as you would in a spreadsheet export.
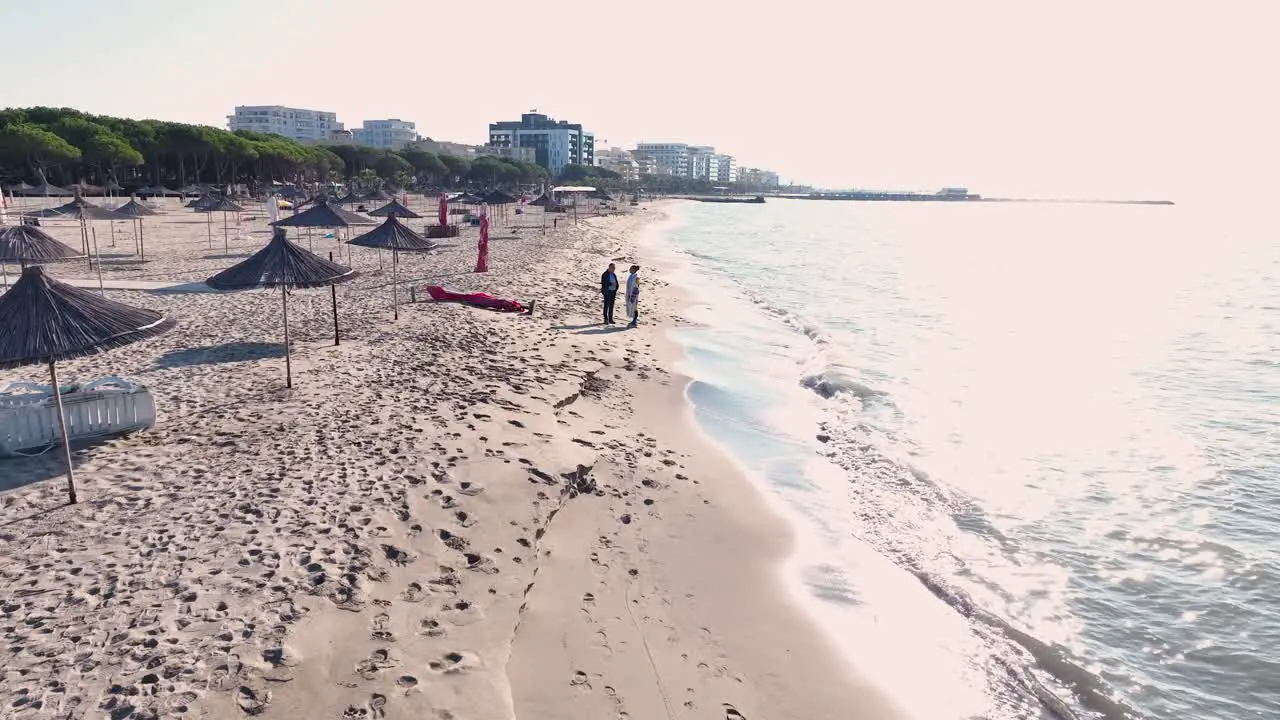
65	146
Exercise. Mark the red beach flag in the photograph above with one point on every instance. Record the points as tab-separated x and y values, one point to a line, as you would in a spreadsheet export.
482	262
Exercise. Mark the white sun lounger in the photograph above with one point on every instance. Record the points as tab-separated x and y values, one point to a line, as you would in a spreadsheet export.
105	407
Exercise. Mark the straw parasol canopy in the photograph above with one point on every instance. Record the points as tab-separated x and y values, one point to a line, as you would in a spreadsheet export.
134	210
497	197
542	200
349	199
324	215
156	191
29	244
466	199
43	321
395	236
79	209
45	189
224	206
377	194
284	265
84	189
19	188
202	202
394	208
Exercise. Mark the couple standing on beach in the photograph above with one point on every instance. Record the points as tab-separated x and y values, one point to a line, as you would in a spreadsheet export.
609	288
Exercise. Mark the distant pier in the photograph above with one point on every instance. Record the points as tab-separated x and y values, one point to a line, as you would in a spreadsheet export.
953	195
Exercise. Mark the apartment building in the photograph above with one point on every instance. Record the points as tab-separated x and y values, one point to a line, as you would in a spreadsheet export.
296	123
619	161
391	134
556	143
665	158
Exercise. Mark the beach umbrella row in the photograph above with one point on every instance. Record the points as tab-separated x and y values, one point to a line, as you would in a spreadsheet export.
43	321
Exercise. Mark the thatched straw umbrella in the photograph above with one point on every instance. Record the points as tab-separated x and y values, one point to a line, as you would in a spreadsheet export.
134	210
395	236
85	212
84	188
224	206
156	191
29	244
44	189
325	215
500	199
394	208
281	264
46	321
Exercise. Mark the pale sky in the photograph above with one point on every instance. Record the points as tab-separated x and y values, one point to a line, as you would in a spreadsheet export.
1124	98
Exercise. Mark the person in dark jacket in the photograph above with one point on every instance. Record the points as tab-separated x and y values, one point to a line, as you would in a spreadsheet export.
609	288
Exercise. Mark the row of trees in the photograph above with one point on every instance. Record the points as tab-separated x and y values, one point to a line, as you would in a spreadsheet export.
65	146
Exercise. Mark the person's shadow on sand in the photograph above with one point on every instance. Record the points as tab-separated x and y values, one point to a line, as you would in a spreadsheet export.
603	330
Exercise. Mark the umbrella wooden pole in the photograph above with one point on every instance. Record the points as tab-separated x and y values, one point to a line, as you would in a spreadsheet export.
62	427
395	280
288	364
226	243
97	257
113	233
142	242
209	230
84	242
333	290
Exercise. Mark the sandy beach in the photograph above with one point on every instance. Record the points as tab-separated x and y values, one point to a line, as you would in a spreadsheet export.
460	515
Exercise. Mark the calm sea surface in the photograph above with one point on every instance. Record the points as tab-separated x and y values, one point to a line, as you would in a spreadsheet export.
1032	452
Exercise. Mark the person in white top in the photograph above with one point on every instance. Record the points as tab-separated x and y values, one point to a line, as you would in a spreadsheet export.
633	296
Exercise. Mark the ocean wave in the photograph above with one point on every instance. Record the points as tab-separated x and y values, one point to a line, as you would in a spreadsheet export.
830	383
1024	653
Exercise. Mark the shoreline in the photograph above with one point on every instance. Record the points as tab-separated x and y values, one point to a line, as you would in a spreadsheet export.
464	514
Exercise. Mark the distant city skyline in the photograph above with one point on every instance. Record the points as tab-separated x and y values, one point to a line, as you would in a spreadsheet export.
1102	99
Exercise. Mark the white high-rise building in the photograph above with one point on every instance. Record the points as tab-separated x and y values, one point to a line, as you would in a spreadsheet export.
391	134
724	169
666	158
296	123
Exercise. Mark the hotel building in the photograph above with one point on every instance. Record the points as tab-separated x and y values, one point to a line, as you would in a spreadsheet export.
391	134
556	143
296	123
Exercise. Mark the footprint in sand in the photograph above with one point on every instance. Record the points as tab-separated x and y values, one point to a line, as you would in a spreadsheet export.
430	627
250	702
454	663
414	593
731	713
380	630
370	667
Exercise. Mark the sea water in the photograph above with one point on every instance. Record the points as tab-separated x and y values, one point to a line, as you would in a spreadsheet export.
1031	451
